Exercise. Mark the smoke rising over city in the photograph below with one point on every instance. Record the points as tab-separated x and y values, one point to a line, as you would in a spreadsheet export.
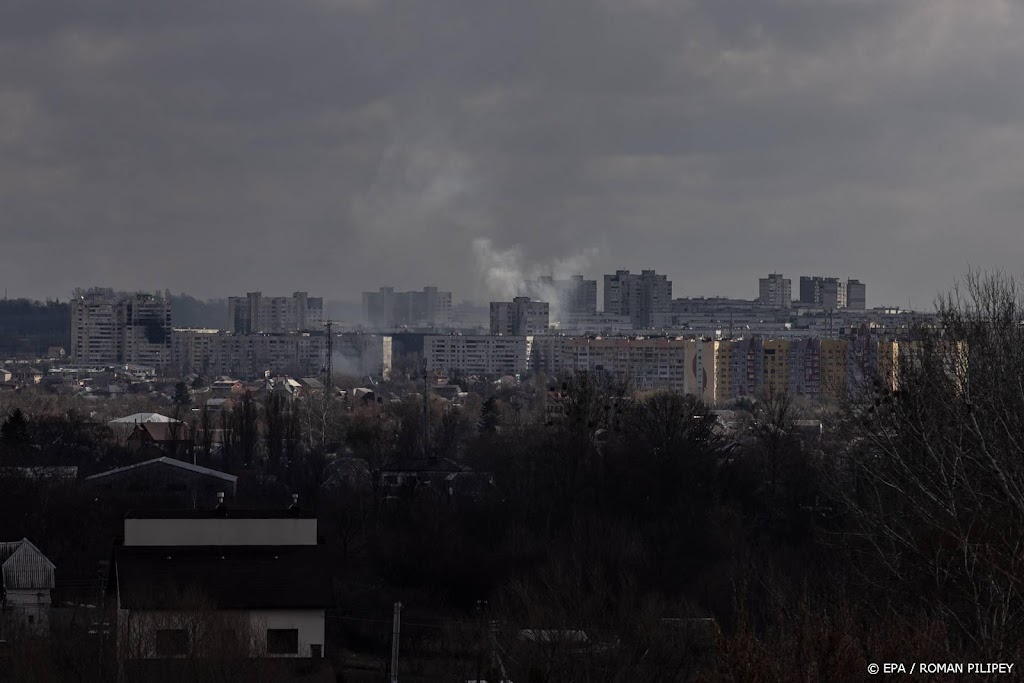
337	146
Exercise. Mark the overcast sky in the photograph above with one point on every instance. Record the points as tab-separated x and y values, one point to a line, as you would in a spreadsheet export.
217	147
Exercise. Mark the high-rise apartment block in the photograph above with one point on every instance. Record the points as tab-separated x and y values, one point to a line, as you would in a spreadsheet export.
568	298
115	328
519	317
388	309
831	293
257	313
775	291
645	298
856	295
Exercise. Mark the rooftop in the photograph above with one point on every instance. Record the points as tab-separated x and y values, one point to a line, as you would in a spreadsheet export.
171	462
283	513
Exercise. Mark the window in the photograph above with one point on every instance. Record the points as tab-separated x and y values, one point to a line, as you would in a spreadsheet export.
282	641
171	642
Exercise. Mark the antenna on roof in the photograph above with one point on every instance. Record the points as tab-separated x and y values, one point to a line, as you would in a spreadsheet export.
221	507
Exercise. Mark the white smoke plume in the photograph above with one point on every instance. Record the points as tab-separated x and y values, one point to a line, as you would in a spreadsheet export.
505	275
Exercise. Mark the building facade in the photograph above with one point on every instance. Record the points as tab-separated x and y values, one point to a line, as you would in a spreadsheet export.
185	580
856	295
387	309
109	328
301	354
477	354
775	291
519	317
257	313
646	299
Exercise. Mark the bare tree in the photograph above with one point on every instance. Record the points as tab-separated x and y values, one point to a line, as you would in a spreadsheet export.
934	478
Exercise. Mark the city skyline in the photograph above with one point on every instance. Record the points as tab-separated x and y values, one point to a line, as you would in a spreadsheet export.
330	144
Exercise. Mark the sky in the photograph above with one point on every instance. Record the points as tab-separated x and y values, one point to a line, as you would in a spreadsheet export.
337	146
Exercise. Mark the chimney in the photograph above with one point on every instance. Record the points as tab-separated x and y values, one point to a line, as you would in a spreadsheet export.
294	507
221	508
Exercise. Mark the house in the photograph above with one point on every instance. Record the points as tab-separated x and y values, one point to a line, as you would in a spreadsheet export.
28	578
192	583
124	426
225	387
165	476
441	475
5	375
163	437
219	405
311	385
27	375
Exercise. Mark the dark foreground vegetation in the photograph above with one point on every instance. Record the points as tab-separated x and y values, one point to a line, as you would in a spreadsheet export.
625	538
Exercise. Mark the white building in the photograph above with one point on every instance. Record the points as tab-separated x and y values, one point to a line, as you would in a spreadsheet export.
190	580
519	317
257	313
477	354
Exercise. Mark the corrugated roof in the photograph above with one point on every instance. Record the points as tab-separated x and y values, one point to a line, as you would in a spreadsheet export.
25	566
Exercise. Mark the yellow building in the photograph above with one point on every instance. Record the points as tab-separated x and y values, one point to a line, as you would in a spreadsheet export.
834	367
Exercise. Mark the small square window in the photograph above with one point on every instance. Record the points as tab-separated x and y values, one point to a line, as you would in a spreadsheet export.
171	642
282	641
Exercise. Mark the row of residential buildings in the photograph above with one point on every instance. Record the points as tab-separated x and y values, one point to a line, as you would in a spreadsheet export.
827	293
714	370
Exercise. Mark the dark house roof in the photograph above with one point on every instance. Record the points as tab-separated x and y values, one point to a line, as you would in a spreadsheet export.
160	432
224	577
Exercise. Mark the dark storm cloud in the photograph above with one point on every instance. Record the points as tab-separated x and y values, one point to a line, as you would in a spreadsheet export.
336	145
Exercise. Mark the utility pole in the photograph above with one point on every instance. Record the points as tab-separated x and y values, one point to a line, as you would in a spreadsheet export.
394	642
426	413
329	384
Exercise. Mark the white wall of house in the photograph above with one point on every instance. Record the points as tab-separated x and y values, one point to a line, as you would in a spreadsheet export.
137	629
220	531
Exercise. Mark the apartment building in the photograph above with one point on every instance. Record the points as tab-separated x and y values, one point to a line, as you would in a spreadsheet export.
257	313
856	295
831	293
810	367
110	328
387	309
549	354
519	317
775	291
477	354
213	352
642	364
701	378
645	298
